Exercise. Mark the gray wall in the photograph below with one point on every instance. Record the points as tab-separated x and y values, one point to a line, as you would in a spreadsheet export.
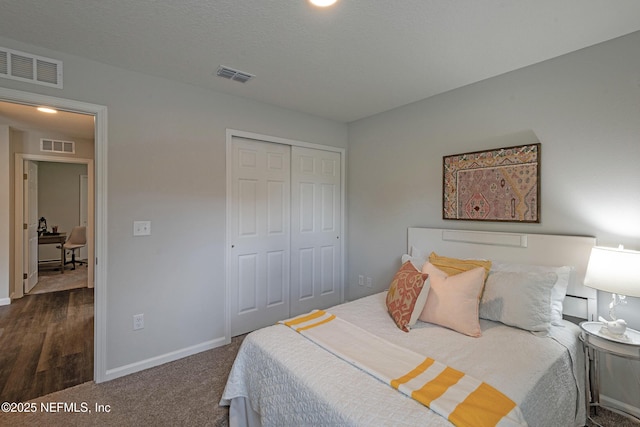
166	164
585	110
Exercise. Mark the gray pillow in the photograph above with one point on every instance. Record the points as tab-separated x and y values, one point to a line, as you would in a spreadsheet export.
520	299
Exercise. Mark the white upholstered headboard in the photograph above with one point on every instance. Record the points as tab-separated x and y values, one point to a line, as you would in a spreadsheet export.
518	248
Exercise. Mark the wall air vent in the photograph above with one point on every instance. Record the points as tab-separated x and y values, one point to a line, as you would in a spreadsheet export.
57	146
231	74
25	67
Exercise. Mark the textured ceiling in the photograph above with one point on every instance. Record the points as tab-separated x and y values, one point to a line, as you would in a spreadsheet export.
353	60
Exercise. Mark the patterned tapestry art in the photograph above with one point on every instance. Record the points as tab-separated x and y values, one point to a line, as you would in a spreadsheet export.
495	185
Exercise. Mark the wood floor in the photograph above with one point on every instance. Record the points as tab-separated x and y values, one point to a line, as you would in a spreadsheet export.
46	344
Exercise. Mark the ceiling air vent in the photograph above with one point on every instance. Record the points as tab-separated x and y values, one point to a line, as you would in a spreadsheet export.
231	74
57	146
26	67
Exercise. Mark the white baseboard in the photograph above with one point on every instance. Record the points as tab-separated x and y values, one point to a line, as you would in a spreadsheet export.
608	401
112	374
5	301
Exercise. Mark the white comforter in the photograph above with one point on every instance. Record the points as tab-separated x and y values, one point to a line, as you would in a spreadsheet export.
288	380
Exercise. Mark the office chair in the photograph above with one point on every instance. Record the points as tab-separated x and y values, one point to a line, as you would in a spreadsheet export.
77	239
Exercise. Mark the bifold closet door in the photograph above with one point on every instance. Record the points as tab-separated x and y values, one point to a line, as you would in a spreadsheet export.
260	226
316	259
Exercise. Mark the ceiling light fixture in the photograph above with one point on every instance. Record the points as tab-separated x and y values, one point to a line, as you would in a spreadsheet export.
47	110
322	3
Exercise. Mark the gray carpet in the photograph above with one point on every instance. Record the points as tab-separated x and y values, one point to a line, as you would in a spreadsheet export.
184	392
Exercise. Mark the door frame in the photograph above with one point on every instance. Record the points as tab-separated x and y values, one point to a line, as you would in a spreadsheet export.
19	242
100	197
234	133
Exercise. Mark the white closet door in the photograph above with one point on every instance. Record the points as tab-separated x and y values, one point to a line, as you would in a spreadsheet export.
260	243
315	229
30	257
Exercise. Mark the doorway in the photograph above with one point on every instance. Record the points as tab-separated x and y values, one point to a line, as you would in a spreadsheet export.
26	248
62	201
96	217
54	303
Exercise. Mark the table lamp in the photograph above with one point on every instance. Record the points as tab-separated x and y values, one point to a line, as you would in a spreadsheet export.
614	270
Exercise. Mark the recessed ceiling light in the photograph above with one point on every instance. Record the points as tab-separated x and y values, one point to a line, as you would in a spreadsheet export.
322	3
47	110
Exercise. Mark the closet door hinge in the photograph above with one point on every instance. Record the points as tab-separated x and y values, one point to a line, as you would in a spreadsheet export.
25	176
25	226
24	276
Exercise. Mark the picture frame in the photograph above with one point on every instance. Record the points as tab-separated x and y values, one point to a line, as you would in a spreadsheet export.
501	184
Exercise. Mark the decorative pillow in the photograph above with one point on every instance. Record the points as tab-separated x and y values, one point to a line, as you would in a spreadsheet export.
406	296
559	290
453	266
453	300
520	299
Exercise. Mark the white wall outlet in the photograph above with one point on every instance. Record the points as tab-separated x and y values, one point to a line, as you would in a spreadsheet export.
138	321
369	283
361	280
141	228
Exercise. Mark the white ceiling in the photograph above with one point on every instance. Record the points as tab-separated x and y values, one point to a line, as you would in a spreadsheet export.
25	117
356	59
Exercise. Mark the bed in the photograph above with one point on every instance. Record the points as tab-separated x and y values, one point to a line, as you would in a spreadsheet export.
282	377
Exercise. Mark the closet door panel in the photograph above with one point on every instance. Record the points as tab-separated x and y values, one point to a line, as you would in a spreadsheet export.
315	229
304	275
259	226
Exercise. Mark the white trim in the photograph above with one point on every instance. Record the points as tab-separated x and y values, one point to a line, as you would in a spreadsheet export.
231	133
259	137
100	162
131	368
485	238
5	301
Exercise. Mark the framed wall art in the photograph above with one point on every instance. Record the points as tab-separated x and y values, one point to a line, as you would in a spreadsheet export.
502	184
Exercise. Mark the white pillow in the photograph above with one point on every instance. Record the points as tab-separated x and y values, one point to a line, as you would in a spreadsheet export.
520	299
417	258
559	290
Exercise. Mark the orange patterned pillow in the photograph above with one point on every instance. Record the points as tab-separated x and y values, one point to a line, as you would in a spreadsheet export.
407	296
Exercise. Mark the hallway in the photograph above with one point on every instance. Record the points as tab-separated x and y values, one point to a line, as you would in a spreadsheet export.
47	343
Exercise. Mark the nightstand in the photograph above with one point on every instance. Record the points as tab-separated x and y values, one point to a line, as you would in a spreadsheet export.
596	342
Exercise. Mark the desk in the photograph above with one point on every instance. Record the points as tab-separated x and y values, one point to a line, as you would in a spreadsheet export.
57	239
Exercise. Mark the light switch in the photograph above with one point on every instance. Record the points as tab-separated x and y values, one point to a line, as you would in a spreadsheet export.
141	228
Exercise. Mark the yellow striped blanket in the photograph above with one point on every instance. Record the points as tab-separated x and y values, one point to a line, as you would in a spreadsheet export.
461	399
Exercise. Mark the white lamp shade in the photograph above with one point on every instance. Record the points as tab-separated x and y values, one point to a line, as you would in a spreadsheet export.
614	270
